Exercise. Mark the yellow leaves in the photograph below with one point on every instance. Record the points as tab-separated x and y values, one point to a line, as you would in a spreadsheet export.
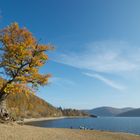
9	88
43	47
43	79
44	56
6	38
16	88
22	57
14	26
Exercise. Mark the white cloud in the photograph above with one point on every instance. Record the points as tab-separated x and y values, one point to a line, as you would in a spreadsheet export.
108	57
111	57
61	82
106	81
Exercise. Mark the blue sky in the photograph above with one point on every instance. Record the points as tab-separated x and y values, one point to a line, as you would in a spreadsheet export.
97	57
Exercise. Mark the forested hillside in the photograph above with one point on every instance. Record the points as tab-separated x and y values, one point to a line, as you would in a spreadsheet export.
21	105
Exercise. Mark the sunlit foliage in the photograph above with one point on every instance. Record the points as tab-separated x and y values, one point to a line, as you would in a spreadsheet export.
21	56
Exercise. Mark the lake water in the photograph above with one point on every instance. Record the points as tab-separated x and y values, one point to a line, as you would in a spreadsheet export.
117	124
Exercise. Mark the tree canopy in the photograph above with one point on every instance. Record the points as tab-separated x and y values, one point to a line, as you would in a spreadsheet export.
21	56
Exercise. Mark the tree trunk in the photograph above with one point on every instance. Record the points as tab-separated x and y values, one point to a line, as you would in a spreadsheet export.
4	114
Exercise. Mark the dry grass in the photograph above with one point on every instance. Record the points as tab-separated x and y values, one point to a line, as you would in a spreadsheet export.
18	132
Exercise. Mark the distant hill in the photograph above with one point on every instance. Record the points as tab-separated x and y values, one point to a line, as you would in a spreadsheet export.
131	113
107	111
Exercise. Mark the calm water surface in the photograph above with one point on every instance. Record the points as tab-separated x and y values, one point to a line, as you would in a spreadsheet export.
117	124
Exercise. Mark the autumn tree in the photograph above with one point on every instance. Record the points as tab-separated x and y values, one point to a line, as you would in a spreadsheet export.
21	56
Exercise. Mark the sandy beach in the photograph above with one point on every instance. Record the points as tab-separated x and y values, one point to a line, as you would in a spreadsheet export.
50	118
23	132
43	119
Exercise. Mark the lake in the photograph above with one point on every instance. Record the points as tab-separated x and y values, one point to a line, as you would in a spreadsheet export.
116	124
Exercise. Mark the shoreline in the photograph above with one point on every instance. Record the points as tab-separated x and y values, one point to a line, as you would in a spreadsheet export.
51	118
63	117
42	119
